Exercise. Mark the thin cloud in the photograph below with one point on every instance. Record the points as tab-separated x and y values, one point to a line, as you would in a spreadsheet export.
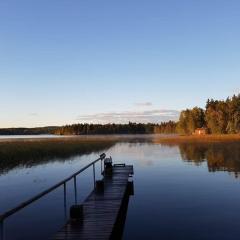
144	104
153	116
33	114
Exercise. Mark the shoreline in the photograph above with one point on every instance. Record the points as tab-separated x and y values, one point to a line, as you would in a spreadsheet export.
199	139
156	138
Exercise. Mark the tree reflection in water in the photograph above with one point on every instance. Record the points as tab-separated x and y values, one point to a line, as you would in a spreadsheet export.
28	153
219	156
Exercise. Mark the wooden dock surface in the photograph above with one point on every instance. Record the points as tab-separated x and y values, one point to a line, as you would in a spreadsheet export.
100	210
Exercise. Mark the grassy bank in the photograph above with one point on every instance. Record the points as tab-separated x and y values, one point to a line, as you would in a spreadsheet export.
195	138
29	152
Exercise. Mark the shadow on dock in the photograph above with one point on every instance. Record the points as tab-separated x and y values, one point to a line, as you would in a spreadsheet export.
118	228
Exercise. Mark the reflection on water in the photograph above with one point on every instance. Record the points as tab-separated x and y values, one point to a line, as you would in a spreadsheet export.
27	153
219	156
173	199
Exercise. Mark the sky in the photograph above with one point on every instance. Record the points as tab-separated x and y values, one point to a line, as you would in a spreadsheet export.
69	61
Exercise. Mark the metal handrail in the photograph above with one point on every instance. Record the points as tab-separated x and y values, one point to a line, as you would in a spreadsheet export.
40	195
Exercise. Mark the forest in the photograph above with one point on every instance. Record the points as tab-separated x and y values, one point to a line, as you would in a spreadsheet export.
94	129
130	128
218	117
28	131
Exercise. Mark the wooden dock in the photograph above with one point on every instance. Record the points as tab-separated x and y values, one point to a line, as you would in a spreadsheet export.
102	214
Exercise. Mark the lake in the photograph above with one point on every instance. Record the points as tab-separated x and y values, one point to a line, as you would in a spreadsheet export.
181	191
29	136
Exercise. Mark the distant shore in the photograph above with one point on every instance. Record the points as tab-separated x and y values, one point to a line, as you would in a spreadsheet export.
197	138
158	138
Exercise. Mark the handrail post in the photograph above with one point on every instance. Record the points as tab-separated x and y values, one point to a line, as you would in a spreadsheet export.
1	229
94	177
65	200
75	189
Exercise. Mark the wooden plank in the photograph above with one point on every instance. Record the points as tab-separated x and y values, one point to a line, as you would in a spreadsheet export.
100	210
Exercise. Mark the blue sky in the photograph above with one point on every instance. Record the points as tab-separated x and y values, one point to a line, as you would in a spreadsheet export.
72	61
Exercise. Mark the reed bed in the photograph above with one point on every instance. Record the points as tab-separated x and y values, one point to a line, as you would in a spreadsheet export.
197	139
29	152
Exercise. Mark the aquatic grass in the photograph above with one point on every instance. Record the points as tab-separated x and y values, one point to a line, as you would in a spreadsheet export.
16	153
173	139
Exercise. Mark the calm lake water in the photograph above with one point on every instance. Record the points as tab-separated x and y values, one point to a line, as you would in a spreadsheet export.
181	191
29	136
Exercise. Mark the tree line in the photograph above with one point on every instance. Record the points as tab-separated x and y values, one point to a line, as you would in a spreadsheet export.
218	117
129	128
91	129
28	131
